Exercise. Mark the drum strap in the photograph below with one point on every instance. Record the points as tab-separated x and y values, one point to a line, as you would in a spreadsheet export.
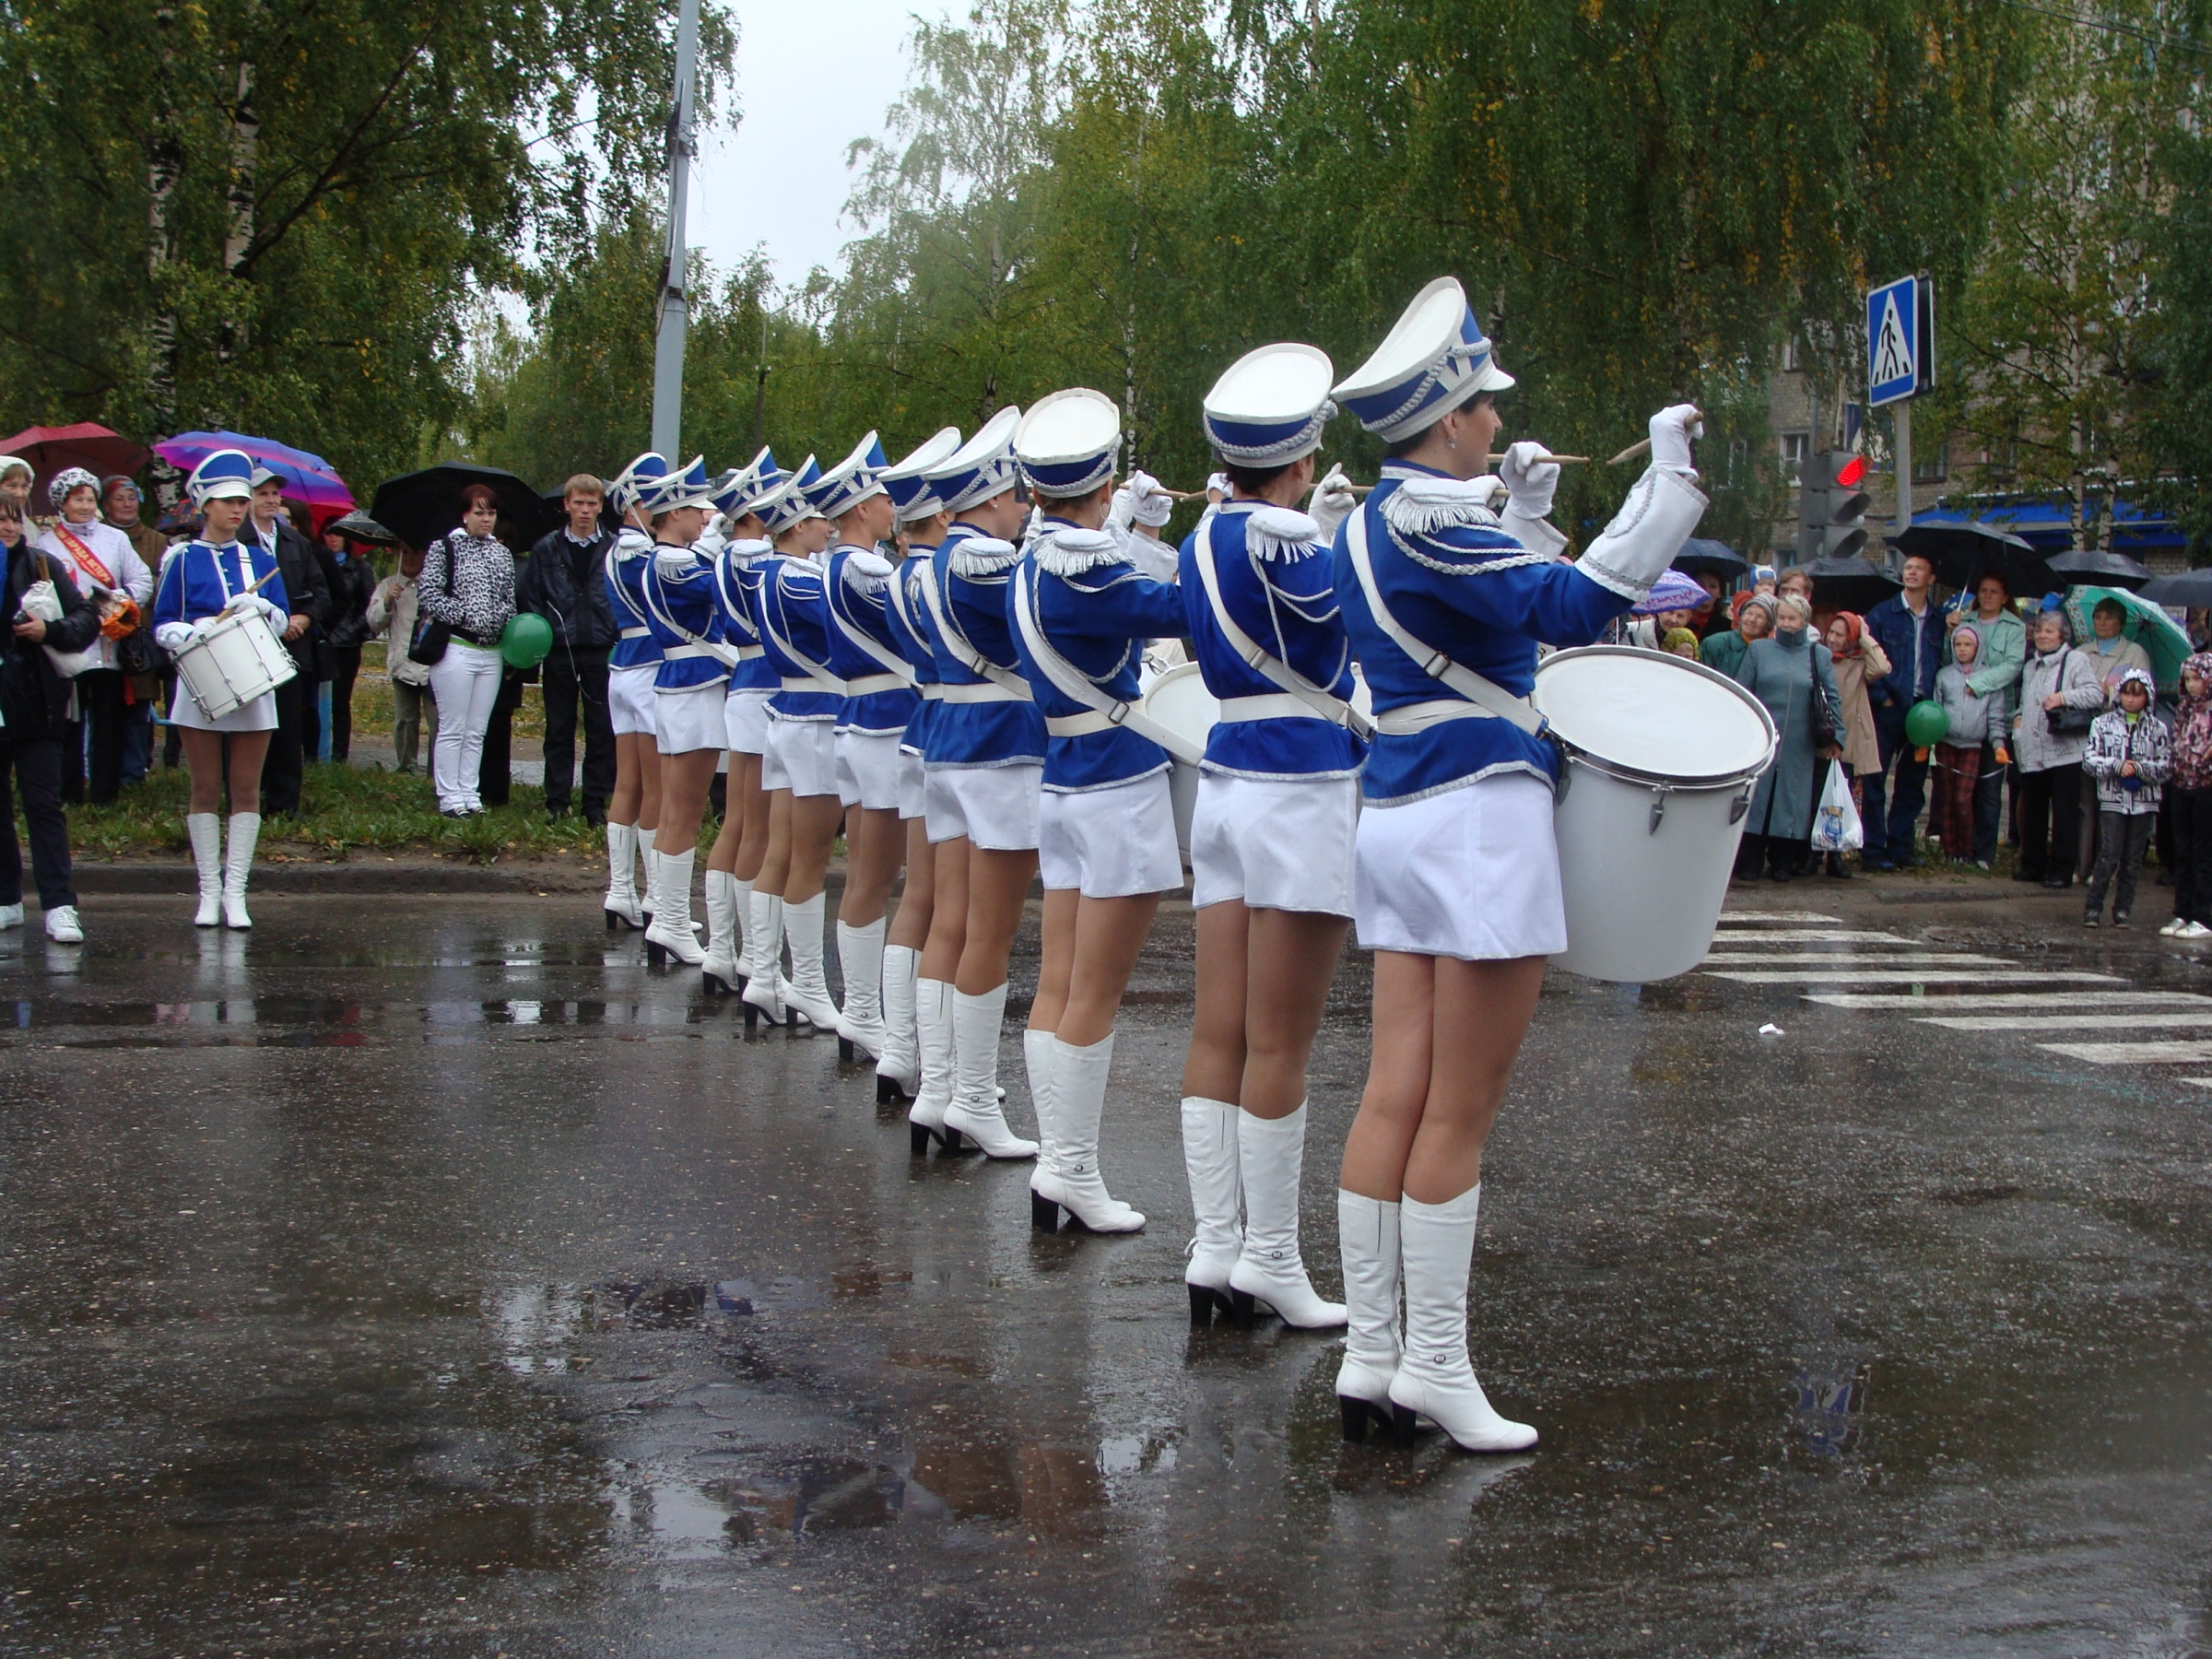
864	642
896	598
963	651
1075	685
738	610
817	676
702	646
1470	684
1256	657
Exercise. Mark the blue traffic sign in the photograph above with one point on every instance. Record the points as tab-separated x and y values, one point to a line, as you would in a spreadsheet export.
1900	356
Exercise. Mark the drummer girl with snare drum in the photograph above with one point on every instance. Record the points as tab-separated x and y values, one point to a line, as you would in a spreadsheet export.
1456	875
207	578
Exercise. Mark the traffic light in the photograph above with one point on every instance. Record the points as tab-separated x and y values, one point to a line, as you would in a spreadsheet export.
1832	506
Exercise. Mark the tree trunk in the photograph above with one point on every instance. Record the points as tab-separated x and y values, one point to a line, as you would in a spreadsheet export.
164	162
245	139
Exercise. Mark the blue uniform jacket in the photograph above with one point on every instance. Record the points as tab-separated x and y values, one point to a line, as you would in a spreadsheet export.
737	603
793	628
1900	632
683	597
1461	585
198	580
634	645
857	583
974	573
1095	609
1283	596
908	614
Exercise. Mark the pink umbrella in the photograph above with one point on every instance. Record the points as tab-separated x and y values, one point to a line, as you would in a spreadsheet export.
307	478
51	449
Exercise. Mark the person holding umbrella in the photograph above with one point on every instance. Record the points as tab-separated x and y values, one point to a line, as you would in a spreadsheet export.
1998	662
468	585
302	575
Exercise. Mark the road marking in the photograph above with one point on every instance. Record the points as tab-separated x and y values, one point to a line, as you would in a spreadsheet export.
2142	1020
2198	1082
2011	999
1814	936
1908	976
1743	917
1846	959
2133	1053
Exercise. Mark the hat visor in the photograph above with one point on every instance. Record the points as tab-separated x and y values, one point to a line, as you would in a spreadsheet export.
1492	379
227	489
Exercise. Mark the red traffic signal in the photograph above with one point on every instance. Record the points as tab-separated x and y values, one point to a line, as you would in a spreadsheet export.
1851	471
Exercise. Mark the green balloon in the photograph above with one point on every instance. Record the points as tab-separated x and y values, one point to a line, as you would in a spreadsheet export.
1925	722
526	639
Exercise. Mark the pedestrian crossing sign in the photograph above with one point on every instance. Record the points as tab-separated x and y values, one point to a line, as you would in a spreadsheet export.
1900	356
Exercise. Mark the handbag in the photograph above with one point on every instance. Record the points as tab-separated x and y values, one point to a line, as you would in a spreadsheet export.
428	646
2066	721
1836	824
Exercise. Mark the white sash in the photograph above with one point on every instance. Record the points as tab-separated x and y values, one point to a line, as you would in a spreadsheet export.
819	677
963	650
1075	685
860	638
724	655
1318	700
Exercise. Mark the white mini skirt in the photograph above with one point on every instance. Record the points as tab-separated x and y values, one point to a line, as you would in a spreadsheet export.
1111	842
1275	843
913	787
995	808
260	715
630	699
1473	873
745	721
690	720
802	756
867	770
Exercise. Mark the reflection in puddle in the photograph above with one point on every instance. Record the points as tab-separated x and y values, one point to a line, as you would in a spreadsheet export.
1830	1406
328	1021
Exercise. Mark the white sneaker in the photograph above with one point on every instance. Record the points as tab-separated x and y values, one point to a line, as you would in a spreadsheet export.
11	915
61	925
2192	930
2171	928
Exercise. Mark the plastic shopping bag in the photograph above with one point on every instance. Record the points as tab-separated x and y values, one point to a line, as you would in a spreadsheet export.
1836	827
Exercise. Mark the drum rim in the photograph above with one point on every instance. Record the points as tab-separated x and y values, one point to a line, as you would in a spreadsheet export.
1630	773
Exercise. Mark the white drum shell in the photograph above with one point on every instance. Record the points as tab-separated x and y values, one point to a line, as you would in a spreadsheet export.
1180	702
237	659
1645	860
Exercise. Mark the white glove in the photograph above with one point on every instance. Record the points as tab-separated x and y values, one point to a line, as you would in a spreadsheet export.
172	637
1530	480
1150	505
1672	428
1331	503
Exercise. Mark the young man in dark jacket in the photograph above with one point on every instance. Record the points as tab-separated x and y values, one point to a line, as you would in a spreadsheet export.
564	582
344	630
1910	627
33	701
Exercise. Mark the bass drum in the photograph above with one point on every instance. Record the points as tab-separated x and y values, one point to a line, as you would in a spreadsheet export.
1661	755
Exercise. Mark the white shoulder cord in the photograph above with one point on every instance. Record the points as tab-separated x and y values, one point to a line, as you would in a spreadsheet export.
866	642
725	654
1256	657
963	649
1072	682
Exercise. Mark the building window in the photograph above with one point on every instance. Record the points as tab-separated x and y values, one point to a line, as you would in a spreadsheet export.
1795	447
1932	468
1790	363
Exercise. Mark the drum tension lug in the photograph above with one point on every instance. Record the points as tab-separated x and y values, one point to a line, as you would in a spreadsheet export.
1742	805
1659	795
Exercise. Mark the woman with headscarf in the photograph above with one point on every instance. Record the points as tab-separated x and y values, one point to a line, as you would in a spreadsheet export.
1857	658
1754	614
1791	674
107	570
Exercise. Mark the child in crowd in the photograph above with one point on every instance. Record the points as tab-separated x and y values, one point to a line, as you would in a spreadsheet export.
2129	755
1974	721
1681	643
2191	802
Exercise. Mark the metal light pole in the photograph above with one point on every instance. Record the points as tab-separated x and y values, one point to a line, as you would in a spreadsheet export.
668	344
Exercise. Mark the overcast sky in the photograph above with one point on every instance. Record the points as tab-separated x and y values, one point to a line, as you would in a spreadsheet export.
812	76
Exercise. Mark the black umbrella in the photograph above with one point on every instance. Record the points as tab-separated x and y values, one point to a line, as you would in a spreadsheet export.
420	507
1710	557
1964	553
2099	569
361	527
1852	584
2190	589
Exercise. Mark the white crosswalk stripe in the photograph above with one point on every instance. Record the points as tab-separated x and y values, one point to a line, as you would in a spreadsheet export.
1907	976
1768	918
2008	999
2141	1019
1852	958
1814	936
2133	1053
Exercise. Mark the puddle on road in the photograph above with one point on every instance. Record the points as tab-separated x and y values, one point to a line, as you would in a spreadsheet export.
322	1022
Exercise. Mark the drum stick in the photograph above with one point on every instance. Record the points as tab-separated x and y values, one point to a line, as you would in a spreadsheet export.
1563	460
1641	446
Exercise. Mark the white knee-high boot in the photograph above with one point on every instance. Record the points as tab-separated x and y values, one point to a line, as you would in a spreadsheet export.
1045	1186
672	928
1210	1159
718	969
1272	1153
933	1041
1079	1101
1367	1241
860	960
809	994
205	829
976	1111
623	909
764	978
1435	1379
899	1069
238	863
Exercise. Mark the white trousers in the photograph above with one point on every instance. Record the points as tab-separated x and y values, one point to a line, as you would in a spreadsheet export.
466	683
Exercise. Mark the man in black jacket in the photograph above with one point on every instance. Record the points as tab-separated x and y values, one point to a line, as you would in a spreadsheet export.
33	700
302	573
564	582
344	630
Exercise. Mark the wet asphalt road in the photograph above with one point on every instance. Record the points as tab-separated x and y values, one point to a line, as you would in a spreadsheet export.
432	1277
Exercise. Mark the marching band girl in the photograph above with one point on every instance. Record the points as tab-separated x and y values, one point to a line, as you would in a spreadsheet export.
981	782
631	668
1456	877
923	521
879	703
1106	824
689	690
736	858
1271	840
801	764
211	577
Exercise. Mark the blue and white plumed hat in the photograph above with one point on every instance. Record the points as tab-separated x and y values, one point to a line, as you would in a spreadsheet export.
1069	442
1429	364
914	493
623	492
789	503
982	468
225	475
853	480
688	488
1269	407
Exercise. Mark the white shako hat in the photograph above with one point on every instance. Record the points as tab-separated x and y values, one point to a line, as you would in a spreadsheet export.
982	468
852	480
645	469
222	475
788	503
1430	363
1270	405
1068	443
737	489
688	488
914	493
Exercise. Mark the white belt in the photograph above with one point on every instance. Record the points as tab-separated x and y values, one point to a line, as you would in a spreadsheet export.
984	693
931	691
636	633
807	682
746	653
1079	725
1418	717
1273	705
677	653
869	683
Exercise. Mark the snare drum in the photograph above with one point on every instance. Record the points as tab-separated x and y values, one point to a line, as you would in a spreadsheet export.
1180	702
236	659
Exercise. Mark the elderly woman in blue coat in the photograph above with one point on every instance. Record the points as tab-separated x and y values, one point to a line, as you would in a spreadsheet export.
1449	579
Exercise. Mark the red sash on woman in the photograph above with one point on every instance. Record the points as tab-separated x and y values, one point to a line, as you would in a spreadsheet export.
87	560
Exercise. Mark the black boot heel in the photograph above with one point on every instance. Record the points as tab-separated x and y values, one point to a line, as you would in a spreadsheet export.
1360	1416
845	1050
1205	1301
1241	1308
752	1020
888	1093
656	954
1401	1422
1044	1214
917	1140
614	921
952	1140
